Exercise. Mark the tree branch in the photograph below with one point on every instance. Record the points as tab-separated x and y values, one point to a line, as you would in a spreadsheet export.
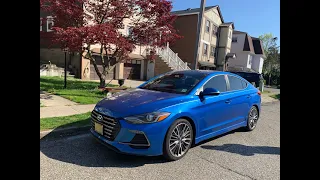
103	16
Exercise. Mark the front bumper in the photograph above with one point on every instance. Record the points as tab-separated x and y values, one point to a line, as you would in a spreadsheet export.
126	141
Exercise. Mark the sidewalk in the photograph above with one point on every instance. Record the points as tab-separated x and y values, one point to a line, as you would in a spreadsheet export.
57	111
56	106
127	82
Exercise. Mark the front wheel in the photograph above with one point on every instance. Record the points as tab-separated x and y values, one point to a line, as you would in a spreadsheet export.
252	118
178	140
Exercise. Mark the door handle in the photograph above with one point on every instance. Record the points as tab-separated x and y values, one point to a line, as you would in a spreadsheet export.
248	96
228	101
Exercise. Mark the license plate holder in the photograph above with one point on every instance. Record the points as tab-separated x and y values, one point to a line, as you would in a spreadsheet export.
98	128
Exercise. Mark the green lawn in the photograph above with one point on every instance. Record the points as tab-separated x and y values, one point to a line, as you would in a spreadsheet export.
77	120
83	92
276	96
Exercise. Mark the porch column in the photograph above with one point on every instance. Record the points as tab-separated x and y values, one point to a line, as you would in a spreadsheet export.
142	69
119	71
85	68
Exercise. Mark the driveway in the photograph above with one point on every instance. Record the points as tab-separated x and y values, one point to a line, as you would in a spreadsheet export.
272	90
236	155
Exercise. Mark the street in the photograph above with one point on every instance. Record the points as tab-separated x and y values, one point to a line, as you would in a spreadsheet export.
236	155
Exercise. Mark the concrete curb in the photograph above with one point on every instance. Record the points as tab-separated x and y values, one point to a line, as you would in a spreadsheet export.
71	131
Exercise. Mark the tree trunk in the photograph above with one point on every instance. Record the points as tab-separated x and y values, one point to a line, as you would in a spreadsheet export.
102	83
103	79
269	79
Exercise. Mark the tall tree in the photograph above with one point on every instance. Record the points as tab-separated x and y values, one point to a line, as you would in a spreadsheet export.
271	50
80	24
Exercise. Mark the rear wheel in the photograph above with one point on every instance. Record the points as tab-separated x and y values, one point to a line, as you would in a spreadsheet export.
252	118
178	140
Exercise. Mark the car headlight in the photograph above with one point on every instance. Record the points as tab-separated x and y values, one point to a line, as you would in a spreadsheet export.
147	118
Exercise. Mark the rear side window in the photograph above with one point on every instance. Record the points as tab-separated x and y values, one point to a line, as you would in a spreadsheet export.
217	82
244	84
236	83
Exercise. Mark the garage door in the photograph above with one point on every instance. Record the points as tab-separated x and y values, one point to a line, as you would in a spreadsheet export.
132	69
93	73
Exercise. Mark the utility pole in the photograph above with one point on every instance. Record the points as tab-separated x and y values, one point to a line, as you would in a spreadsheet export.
202	8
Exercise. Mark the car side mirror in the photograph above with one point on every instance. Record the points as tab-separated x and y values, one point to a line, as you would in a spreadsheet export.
209	92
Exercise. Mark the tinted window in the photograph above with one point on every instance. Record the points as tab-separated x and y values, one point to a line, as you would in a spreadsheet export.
218	83
235	83
244	84
175	82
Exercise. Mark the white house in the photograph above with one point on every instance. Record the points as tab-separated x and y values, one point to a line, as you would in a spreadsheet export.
248	50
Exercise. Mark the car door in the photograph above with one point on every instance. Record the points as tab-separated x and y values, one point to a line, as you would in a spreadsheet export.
239	98
212	110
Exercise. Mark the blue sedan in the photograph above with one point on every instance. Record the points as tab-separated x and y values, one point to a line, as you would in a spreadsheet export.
171	112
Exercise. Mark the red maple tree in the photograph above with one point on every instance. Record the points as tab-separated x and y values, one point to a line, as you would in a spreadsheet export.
80	24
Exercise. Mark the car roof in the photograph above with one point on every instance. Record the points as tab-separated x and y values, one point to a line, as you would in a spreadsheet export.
204	72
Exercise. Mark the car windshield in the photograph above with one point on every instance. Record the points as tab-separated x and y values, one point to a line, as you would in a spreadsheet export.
176	82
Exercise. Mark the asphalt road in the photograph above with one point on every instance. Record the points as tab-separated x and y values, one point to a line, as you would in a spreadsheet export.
236	155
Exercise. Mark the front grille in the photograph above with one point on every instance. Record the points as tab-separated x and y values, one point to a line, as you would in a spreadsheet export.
111	126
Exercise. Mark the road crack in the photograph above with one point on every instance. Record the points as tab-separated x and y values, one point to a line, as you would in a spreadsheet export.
226	168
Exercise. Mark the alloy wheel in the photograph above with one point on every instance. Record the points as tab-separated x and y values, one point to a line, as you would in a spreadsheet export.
253	118
180	139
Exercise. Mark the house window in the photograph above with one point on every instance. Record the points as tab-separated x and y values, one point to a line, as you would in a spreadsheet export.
207	25
214	30
230	34
234	39
49	23
40	24
250	59
212	51
205	49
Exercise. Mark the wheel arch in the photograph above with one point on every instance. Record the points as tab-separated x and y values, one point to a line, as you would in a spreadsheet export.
191	121
255	105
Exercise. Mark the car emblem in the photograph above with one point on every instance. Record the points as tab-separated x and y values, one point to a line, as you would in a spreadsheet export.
99	117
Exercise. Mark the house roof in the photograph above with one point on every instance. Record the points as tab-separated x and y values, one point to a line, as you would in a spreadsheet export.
257	45
252	44
248	45
238	32
228	24
190	11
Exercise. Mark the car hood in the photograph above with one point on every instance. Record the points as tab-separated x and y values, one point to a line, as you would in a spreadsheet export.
137	101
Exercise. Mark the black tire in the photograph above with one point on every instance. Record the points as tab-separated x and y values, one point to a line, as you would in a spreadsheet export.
253	117
166	150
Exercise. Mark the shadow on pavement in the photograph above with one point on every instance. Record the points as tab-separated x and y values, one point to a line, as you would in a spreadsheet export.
244	150
84	150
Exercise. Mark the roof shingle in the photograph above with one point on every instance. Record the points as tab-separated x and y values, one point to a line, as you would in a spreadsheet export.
252	44
191	11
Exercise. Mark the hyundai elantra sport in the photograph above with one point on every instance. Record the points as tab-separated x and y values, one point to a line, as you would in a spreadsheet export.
173	111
